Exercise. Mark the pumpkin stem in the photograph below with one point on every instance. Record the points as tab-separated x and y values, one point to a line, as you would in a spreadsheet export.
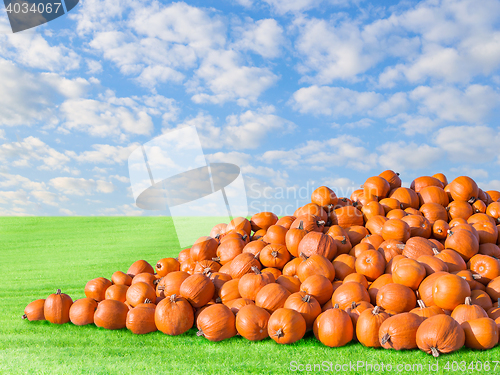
199	333
173	297
434	352
472	200
161	288
216	259
25	316
401	246
435	250
301	225
256	270
147	300
303	256
245	237
498	301
274	254
421	304
58	291
397	173
476	276
157	281
385	339
320	222
468	301
336	306
217	236
207	271
218	300
376	310
344	241
449	233
306	298
354	305
279	333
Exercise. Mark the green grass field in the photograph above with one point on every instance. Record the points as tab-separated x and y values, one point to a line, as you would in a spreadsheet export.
39	255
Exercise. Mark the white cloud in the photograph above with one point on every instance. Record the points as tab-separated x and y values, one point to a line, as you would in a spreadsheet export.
360	124
473	144
414	124
122	179
401	156
93	66
105	154
449	103
466	170
264	37
292	6
342	186
66	212
2	134
81	186
238	158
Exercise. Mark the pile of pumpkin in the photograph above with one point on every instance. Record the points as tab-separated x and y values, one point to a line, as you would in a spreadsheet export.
391	267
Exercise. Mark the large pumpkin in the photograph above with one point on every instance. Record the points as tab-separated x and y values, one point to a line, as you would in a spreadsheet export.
251	322
263	220
317	243
368	326
306	305
449	291
198	289
82	311
216	323
440	334
400	331
56	308
141	319
396	297
480	333
348	293
333	327
286	326
111	314
34	310
251	283
272	297
174	315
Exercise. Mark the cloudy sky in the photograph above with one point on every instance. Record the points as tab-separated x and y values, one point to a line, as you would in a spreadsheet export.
298	93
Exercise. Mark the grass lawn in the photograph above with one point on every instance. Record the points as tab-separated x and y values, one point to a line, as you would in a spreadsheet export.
42	254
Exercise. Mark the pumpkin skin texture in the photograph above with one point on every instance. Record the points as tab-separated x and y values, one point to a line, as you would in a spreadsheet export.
286	221
423	182
480	333
400	331
141	319
407	197
426	311
415	247
171	283
121	278
34	310
137	293
464	188
216	323
206	249
349	216
111	314
319	287
371	264
174	315
274	255
348	293
376	285
333	328
376	223
408	272
251	283
452	259
56	308
197	289
434	212
315	265
324	197
463	242
368	326
467	312
82	311
272	297
96	288
440	334
140	266
396	297
251	322
486	266
449	291
395	229
392	178
318	243
263	220
242	265
117	292
427	287
306	305
344	265
286	326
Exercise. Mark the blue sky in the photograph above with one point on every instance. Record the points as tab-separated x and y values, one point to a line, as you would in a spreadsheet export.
298	93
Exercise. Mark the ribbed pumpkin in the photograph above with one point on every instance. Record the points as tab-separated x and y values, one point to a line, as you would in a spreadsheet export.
368	326
440	334
274	255
121	278
229	250
251	283
315	265
198	289
216	323
318	243
396	297
480	333
171	283
391	248
395	229
147	278
286	326
392	178
373	239
433	194
407	197
419	225
310	223
141	319
348	293
290	283
96	288
440	229
174	315
236	304
427	287
372	209
400	331
117	292
239	223
242	265
275	235
432	264
449	291
489	249
137	293
356	233
468	311
254	247
463	242
348	216
360	248
426	311
205	249
333	327
34	310
486	266
434	212
251	322
376	285
452	259
344	265
293	238
56	308
216	231
376	186
306	305
111	314
82	311
312	209
324	197
396	214
408	272
418	246
389	204
371	264
140	266
464	188
425	181
375	224
319	287
263	220
286	221
272	297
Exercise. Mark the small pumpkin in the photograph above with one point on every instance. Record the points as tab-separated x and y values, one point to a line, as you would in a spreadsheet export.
408	272
324	197
272	297
56	308
139	292
449	291
426	311
286	326
141	319
34	310
468	311
480	333
293	237
140	266
216	323
251	283
174	315
348	293
275	235
395	229
371	264
290	283
242	264
147	278
117	292
96	288
392	178
306	305
251	322
400	331
263	220
82	311
274	255
171	283
286	221
376	285
319	287
333	327
440	334
317	243
121	278
111	314
344	265
368	326
396	297
315	265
